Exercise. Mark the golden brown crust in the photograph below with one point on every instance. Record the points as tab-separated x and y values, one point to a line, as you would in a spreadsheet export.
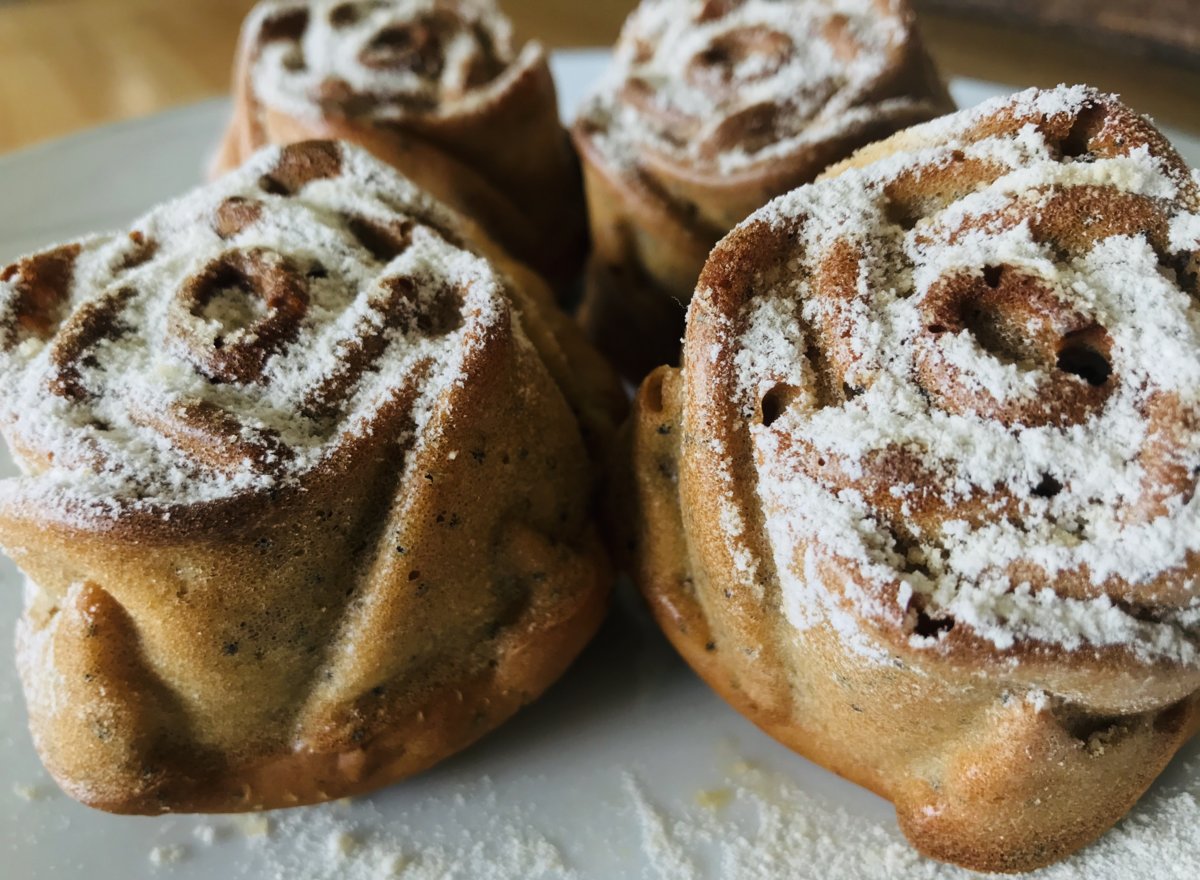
324	623
1005	743
537	649
975	783
657	209
492	148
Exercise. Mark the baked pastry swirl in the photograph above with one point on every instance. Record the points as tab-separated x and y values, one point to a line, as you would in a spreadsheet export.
922	500
306	494
713	108
435	88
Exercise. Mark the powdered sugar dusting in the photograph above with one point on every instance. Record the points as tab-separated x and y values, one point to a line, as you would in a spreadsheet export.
385	60
773	828
1037	488
114	439
323	843
688	73
770	352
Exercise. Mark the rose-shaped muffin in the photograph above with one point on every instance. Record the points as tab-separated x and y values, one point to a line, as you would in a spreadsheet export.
713	108
437	89
305	504
922	501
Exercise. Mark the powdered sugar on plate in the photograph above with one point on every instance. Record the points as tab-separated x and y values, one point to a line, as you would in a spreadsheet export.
595	781
770	828
356	842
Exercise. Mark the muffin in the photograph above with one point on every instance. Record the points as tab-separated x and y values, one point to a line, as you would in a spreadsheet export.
436	88
711	109
307	486
921	502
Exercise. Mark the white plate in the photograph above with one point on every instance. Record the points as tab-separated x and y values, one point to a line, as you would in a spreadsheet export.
630	768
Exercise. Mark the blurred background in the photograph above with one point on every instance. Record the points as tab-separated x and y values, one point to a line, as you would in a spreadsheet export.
71	64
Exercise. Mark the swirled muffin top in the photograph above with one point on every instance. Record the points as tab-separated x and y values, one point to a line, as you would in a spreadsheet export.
970	363
728	84
381	58
241	336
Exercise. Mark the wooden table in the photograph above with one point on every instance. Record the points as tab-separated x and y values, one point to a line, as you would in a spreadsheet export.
70	64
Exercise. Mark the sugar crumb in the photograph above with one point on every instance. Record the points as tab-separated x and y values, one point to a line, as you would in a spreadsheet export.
253	825
30	792
163	856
